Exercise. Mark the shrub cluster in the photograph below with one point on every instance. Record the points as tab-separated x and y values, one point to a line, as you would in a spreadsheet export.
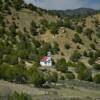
88	33
75	56
77	39
61	65
96	78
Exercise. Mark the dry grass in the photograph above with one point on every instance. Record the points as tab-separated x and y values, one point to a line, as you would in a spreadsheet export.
68	91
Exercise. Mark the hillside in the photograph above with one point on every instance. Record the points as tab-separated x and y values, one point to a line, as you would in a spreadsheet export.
65	35
83	12
27	33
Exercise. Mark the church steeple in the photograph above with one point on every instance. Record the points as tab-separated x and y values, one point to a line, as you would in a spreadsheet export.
49	54
47	60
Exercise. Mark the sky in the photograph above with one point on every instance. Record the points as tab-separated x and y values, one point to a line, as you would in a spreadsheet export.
65	4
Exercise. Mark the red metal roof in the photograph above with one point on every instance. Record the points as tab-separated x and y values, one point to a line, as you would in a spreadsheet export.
44	59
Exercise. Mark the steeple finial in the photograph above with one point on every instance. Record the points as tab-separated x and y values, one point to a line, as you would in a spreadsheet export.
49	53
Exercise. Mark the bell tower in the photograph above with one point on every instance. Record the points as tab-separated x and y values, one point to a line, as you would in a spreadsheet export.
49	58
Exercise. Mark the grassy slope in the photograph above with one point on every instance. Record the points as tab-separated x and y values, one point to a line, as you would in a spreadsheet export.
67	91
24	17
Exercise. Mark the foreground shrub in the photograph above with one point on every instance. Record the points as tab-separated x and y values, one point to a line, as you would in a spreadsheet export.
36	76
15	73
75	56
83	72
96	78
97	66
91	61
61	65
51	77
92	46
86	75
17	96
70	75
81	67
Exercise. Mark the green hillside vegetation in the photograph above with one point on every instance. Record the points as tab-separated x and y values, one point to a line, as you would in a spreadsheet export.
17	96
28	32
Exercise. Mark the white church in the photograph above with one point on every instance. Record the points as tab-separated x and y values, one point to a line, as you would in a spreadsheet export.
46	60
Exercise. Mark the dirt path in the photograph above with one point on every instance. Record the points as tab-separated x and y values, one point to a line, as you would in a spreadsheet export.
52	94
